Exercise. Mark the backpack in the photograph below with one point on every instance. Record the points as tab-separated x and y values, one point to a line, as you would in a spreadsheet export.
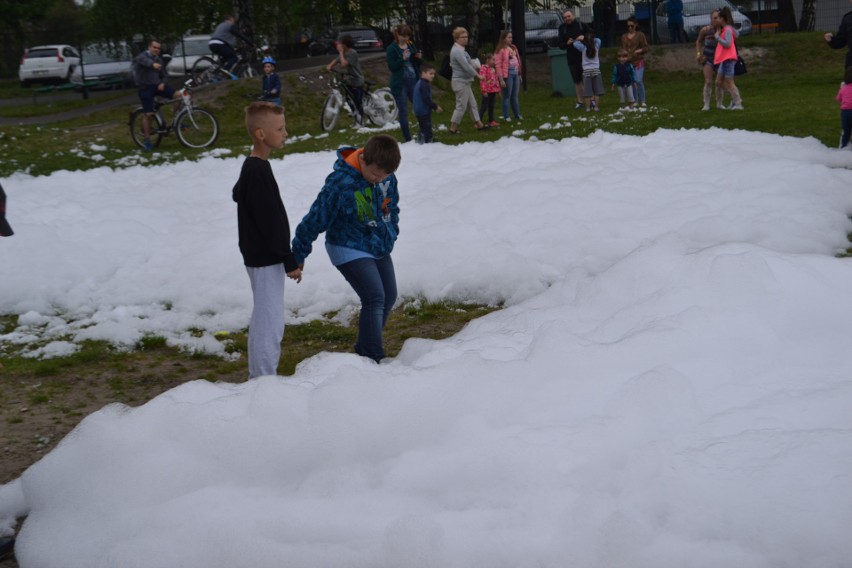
446	70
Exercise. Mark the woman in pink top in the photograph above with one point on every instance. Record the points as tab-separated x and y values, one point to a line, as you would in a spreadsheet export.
509	72
726	56
844	96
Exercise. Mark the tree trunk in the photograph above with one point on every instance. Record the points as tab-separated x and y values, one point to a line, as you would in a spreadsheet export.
787	16
245	17
807	22
473	26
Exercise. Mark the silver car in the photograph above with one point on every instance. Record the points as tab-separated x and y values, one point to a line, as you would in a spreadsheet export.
542	30
186	53
106	65
696	15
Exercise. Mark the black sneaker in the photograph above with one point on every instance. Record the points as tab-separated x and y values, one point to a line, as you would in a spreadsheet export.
578	106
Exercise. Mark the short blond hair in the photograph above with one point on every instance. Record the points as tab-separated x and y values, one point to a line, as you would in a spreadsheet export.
457	32
257	112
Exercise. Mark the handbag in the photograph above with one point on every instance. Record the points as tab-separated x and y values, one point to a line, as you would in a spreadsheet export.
446	70
740	65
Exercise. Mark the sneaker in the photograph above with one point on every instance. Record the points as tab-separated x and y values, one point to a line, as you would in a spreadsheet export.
507	119
519	117
642	105
594	104
705	107
148	145
578	106
493	123
736	107
596	109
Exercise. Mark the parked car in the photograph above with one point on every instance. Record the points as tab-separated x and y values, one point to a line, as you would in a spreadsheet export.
365	38
48	63
542	30
186	53
107	64
696	15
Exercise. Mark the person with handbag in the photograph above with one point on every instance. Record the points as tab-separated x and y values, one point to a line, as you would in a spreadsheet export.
726	56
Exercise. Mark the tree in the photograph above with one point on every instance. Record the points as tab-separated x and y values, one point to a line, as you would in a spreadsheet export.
808	20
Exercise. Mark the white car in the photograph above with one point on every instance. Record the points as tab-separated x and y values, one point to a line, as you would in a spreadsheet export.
48	63
107	65
696	15
186	53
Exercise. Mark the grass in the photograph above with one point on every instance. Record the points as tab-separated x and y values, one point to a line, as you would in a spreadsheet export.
777	101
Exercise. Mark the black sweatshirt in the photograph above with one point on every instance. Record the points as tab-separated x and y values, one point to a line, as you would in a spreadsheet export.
264	230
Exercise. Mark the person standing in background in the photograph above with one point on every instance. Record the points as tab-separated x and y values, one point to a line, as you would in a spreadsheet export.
403	60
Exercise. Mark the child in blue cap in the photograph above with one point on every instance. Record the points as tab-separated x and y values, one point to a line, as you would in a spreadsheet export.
271	82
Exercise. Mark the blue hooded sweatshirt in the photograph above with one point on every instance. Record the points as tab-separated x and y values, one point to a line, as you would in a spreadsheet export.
352	212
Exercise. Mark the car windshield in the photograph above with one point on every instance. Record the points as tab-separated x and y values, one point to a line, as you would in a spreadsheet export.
360	35
704	7
193	47
542	21
105	55
45	52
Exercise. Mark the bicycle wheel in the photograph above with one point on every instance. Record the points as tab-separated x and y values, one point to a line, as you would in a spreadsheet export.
206	70
331	111
380	107
157	128
196	128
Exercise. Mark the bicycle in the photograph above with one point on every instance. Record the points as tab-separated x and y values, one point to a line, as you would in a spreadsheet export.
379	105
194	127
211	68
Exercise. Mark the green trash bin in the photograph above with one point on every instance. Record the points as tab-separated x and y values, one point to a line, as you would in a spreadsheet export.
561	81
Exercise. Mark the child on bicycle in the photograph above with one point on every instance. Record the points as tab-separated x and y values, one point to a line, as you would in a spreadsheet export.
224	39
423	103
347	59
358	209
264	237
271	82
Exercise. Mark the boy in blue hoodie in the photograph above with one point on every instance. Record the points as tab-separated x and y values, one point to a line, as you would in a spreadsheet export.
358	209
423	103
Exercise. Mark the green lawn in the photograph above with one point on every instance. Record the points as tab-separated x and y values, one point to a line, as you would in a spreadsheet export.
789	90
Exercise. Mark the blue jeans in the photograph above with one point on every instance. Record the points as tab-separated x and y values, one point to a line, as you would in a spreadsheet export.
374	280
639	87
402	101
846	125
510	94
426	135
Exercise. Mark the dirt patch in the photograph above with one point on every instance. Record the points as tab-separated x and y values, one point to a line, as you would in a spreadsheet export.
682	58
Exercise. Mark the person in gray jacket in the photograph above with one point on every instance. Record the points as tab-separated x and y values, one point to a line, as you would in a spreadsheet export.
465	70
149	72
224	39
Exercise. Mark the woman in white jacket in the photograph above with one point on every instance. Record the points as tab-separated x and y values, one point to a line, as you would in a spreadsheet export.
465	70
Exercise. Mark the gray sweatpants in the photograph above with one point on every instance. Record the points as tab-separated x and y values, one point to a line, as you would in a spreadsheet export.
465	101
266	329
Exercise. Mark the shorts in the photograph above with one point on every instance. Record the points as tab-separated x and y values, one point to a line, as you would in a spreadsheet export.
147	94
726	68
593	84
576	72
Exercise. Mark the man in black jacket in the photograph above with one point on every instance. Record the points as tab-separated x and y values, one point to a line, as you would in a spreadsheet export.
572	30
843	38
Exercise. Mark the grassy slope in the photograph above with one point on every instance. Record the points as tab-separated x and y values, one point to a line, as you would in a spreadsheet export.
789	90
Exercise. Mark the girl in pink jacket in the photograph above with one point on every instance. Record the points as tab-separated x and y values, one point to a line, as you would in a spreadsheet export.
489	83
509	71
